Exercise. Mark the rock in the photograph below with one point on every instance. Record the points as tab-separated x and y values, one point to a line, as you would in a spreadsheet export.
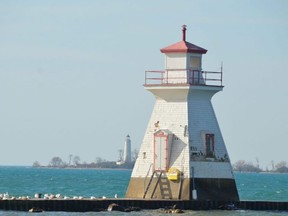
177	211
230	206
130	209
34	210
174	210
115	207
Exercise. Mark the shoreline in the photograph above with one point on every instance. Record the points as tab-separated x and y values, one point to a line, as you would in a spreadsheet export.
120	168
83	168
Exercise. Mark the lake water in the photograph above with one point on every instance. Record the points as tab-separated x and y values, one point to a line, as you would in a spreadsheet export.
26	181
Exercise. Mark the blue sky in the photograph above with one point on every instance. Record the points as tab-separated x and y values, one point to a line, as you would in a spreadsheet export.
71	74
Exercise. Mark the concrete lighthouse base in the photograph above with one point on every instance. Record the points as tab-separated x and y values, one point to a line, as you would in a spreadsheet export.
203	188
165	189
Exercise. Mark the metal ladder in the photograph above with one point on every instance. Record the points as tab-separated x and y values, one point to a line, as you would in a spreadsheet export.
148	186
165	188
163	184
158	180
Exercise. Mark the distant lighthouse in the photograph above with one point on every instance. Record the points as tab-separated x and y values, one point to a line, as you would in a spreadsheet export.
183	154
127	150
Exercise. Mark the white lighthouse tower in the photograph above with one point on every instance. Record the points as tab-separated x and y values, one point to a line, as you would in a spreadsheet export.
127	150
183	154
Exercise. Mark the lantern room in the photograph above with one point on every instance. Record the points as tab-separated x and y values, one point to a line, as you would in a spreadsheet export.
183	55
183	66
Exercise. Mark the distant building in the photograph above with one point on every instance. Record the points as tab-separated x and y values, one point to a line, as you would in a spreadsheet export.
126	158
127	150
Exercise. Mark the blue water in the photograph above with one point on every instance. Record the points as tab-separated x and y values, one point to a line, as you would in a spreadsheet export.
262	186
19	181
26	181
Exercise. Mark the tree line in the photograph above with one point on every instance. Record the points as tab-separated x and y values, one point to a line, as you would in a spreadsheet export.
74	161
244	166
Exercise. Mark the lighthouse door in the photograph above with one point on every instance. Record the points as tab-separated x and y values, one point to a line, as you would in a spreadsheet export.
160	152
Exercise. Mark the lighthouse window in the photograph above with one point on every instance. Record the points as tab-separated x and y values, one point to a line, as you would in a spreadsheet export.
209	144
195	73
195	62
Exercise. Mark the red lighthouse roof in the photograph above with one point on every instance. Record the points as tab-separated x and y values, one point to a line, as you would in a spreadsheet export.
183	46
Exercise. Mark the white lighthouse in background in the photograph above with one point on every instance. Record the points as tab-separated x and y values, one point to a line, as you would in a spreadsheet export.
183	154
127	150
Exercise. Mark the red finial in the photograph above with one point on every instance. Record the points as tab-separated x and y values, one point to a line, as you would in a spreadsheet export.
184	32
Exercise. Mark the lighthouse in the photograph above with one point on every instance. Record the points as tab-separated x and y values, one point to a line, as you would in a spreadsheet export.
127	150
183	154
